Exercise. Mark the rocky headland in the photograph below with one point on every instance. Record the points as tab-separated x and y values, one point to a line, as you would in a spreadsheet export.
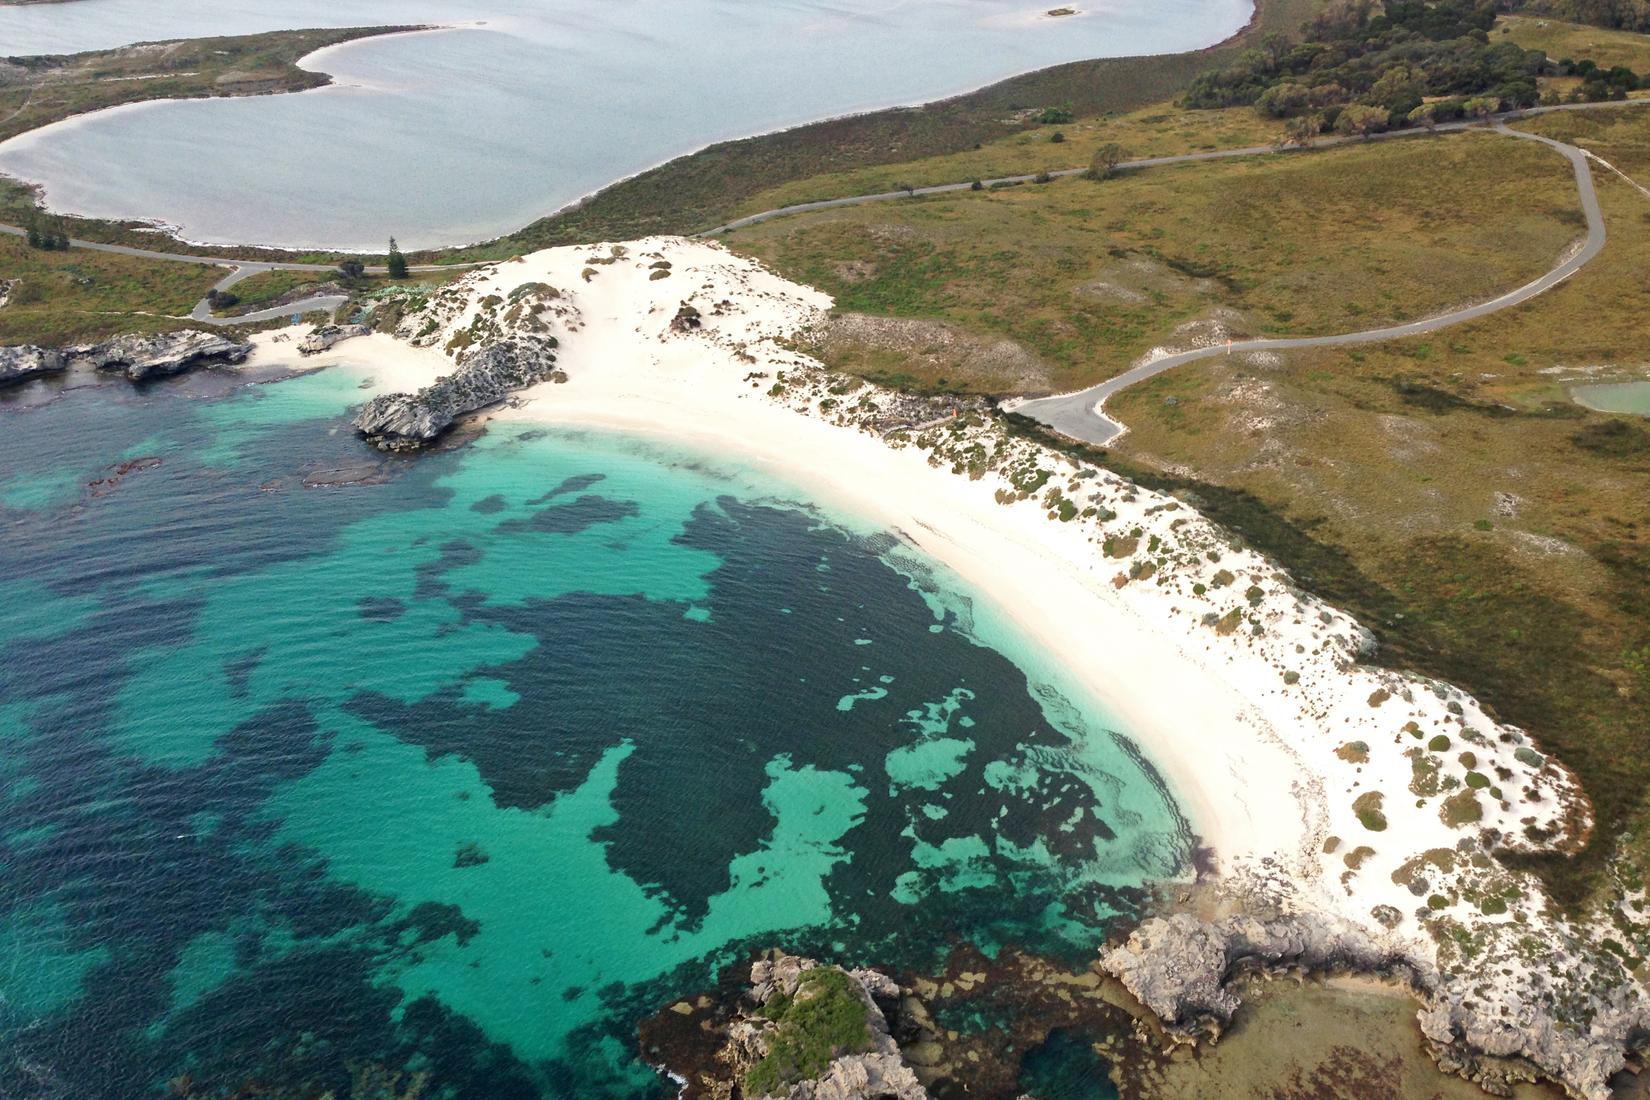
499	345
19	364
801	1031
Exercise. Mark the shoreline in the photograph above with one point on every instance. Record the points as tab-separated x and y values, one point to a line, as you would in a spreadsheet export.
172	233
1242	776
1364	807
1117	657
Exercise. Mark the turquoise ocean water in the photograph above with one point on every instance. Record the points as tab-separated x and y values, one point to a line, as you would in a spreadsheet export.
465	770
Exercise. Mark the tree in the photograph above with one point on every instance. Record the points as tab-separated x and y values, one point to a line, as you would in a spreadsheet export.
1284	100
1055	116
1481	107
1424	115
1106	159
397	263
1361	120
352	269
1302	131
36	240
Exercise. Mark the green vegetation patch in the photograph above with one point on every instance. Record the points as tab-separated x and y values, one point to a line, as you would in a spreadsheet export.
1368	808
80	296
823	1021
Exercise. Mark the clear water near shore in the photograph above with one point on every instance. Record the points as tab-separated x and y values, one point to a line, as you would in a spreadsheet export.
465	768
455	137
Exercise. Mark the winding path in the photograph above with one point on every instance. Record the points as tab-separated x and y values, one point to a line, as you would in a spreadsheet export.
1081	415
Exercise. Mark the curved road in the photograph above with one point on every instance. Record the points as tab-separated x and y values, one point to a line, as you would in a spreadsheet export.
1147	162
1081	415
1055	407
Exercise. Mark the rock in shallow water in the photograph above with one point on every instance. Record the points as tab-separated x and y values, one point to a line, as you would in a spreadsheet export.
410	421
141	357
327	336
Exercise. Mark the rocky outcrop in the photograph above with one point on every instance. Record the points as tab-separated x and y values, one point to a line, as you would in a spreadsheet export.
1582	1050
1494	1034
141	357
764	1041
408	422
18	364
326	337
1180	966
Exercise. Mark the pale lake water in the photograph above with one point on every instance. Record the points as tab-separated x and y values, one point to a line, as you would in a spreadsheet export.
1615	397
458	136
465	771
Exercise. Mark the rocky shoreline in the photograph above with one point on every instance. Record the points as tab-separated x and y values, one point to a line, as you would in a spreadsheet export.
801	1031
138	357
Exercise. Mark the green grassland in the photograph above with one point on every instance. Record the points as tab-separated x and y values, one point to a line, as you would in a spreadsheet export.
1152	131
1575	41
77	296
263	289
1086	276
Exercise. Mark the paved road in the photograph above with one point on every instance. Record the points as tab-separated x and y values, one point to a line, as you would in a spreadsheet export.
244	269
1147	162
1081	415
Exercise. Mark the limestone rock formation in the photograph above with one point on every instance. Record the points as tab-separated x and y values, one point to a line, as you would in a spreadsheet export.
141	357
325	337
411	421
803	1031
18	364
1178	966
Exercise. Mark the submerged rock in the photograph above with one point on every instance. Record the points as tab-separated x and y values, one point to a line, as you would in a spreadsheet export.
141	357
18	364
326	337
410	421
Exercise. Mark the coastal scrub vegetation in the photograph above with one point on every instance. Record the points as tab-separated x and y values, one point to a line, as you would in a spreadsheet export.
55	298
822	1021
1076	281
1361	68
1492	532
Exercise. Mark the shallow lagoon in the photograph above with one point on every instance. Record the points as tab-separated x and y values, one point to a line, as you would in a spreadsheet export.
464	770
1615	397
462	135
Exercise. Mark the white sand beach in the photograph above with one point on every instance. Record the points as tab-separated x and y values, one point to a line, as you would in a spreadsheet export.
1326	783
